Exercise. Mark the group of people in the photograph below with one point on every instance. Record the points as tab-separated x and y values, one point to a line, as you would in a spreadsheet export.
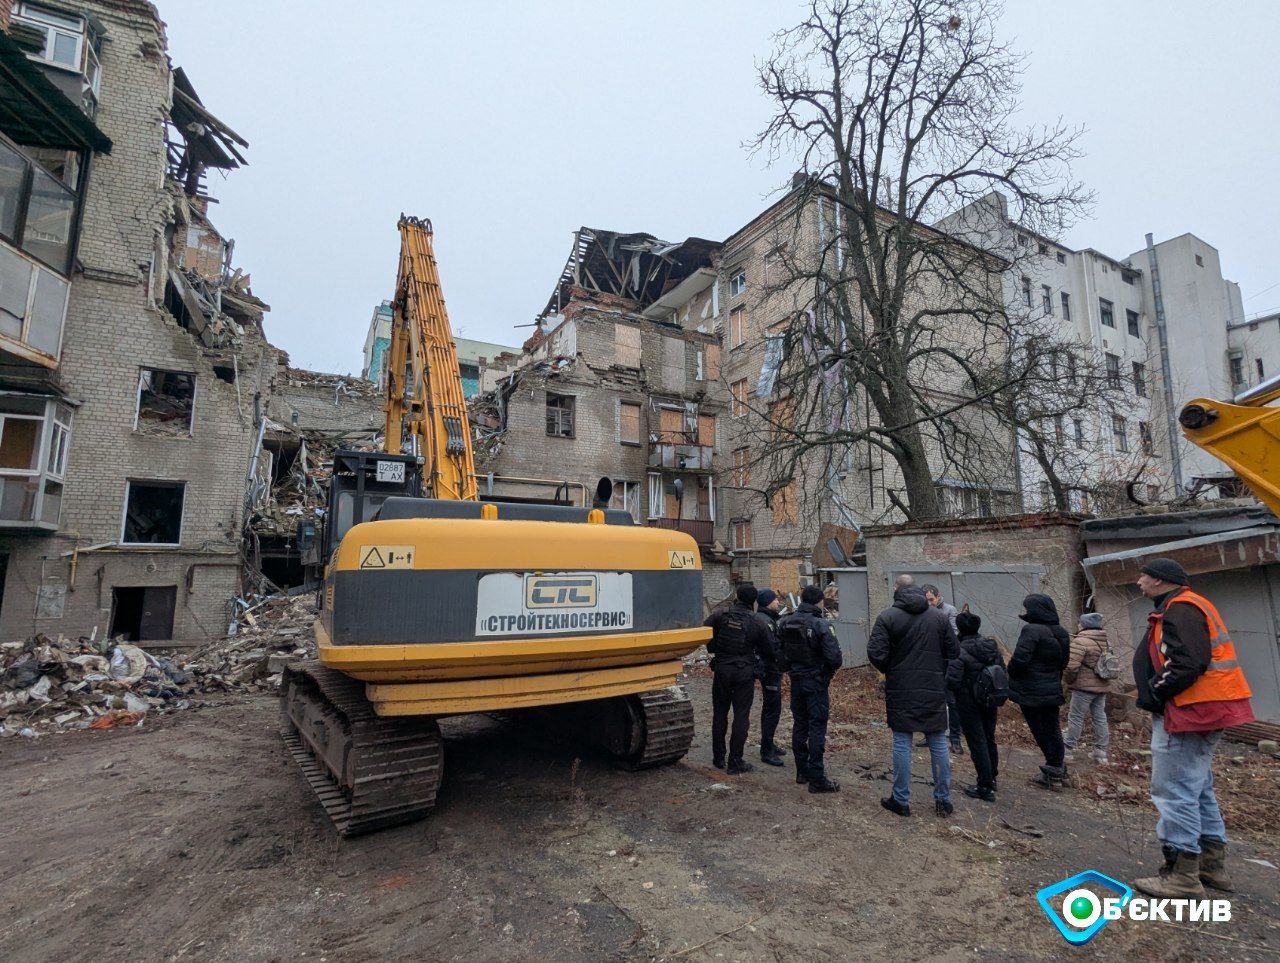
945	680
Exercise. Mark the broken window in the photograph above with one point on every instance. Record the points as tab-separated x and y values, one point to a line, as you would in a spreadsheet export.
626	496
166	402
738	392
772	362
153	513
629	423
559	415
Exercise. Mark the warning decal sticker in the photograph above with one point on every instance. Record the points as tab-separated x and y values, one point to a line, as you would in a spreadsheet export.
385	557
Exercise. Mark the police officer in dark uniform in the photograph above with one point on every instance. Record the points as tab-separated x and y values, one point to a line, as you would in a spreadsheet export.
813	656
767	605
738	639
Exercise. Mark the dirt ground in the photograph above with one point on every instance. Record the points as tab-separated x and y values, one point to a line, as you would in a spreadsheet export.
193	838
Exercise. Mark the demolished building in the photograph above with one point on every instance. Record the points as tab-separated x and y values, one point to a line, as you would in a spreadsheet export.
135	368
613	385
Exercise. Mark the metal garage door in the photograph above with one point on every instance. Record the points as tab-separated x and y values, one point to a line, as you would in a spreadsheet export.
1241	597
852	624
994	593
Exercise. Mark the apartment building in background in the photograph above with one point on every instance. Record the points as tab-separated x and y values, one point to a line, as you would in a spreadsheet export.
1109	307
475	358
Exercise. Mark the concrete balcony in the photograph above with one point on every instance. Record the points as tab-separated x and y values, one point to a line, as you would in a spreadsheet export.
702	530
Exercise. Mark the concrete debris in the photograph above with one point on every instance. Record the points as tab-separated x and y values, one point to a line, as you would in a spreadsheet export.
52	684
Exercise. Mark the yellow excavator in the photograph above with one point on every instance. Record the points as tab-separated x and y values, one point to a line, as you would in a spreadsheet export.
570	617
1244	434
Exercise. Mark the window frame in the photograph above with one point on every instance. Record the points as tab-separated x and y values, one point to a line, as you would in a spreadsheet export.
22	217
738	407
1132	322
573	415
157	483
53	22
137	407
1107	309
1066	305
1139	379
1046	300
738	282
58	419
639	439
738	326
1112	362
1120	433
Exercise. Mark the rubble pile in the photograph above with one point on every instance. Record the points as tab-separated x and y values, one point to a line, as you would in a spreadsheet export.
51	684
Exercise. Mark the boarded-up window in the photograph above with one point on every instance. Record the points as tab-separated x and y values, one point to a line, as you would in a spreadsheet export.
707	430
781	417
559	415
784	574
738	325
704	499
629	423
740	533
670	425
784	504
738	390
711	371
742	467
627	340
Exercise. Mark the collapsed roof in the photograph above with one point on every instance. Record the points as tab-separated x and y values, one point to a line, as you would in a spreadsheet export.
635	267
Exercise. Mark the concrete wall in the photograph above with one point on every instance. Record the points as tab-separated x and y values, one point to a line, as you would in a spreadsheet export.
1049	540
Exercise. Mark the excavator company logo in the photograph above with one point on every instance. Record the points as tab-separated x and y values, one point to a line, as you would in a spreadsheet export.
560	592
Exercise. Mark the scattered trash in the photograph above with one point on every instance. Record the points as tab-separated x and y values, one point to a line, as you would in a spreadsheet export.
1261	862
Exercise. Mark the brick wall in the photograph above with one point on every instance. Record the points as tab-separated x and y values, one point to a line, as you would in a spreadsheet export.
113	329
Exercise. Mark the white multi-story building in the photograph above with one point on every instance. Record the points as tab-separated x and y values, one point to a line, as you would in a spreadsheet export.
1156	351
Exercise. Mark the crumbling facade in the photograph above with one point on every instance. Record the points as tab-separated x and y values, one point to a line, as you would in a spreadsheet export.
618	384
149	404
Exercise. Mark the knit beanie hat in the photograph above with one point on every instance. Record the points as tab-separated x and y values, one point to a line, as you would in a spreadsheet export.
1091	620
1167	570
765	598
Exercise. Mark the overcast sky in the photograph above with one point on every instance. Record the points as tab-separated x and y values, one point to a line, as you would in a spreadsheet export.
512	124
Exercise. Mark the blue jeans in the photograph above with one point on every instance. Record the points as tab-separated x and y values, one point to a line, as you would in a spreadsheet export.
1182	787
938	753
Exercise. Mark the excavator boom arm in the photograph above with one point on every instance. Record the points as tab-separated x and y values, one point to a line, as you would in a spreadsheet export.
425	405
1244	434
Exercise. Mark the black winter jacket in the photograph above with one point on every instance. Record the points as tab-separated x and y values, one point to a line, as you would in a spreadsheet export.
1035	670
976	653
737	638
1187	652
912	644
774	665
824	656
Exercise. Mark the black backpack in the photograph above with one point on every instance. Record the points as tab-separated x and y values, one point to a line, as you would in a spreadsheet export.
795	637
991	687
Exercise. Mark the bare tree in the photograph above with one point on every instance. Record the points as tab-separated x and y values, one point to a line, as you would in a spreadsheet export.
898	336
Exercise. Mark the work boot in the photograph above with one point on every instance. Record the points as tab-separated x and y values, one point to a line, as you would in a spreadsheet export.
738	767
895	807
979	792
824	785
955	748
1182	881
942	808
1044	781
718	762
772	757
1213	864
802	777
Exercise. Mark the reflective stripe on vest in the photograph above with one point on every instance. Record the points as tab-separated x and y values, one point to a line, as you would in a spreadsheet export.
1223	681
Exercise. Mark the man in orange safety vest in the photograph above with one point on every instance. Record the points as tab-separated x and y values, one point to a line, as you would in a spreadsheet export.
1189	679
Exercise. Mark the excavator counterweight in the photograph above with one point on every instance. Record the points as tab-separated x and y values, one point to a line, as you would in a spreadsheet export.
570	617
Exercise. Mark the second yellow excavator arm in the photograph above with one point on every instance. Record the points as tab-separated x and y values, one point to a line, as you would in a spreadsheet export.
426	409
1244	434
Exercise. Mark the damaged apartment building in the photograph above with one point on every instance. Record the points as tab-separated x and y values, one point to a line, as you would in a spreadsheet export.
620	380
134	361
657	365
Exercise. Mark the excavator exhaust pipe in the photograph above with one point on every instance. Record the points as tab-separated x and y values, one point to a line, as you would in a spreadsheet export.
604	493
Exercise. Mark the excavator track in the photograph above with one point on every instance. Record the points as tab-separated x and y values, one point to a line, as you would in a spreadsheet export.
368	773
666	716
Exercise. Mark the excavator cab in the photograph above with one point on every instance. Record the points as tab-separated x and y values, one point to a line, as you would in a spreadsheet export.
360	483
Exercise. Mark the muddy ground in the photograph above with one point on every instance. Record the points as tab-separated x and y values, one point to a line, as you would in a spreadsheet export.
192	837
